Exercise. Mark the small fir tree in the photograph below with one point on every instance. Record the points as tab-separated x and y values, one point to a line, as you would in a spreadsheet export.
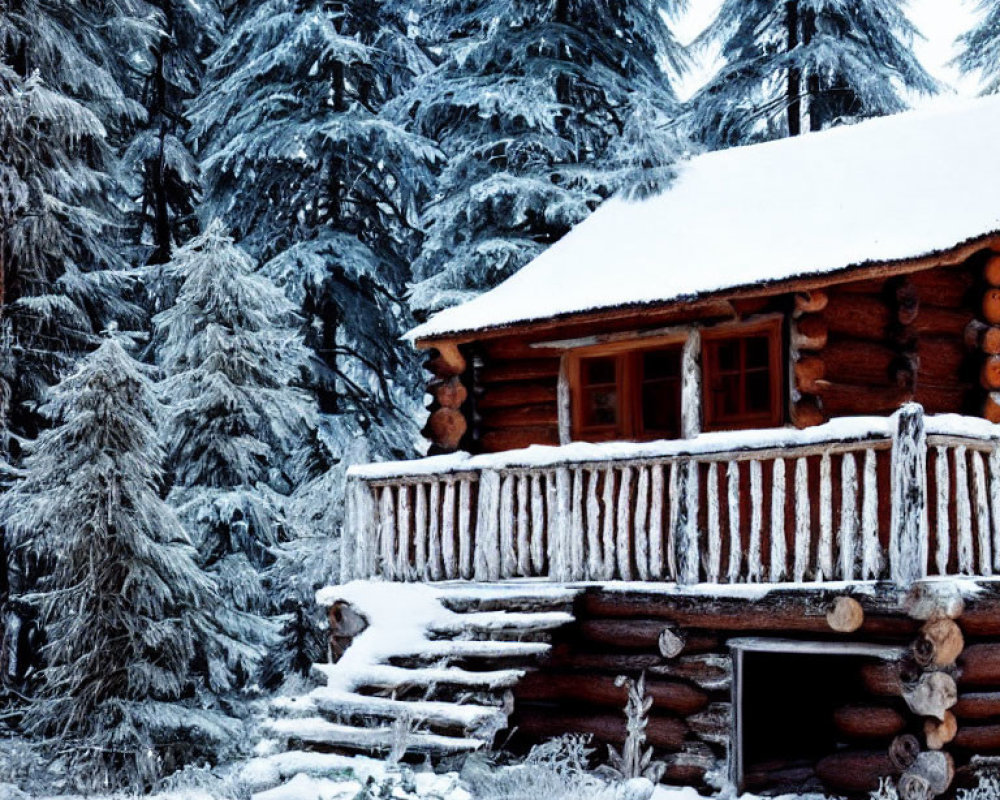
126	609
237	426
822	60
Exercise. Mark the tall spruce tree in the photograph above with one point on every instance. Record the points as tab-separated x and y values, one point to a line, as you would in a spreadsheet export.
981	47
790	64
237	426
162	171
543	108
126	609
322	188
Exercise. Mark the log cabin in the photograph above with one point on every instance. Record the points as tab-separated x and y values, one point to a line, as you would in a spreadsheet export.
752	423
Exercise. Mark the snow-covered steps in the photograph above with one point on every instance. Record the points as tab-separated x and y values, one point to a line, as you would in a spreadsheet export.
431	674
321	731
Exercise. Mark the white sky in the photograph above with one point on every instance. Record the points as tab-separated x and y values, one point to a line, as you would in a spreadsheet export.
940	21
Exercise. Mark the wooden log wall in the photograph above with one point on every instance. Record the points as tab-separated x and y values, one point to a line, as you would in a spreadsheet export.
859	347
917	718
876	344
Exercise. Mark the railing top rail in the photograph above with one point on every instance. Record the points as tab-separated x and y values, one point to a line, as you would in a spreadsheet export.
959	426
841	431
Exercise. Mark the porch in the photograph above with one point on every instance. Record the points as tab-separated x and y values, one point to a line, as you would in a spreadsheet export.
894	498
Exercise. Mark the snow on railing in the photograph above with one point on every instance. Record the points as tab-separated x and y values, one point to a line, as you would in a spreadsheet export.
847	500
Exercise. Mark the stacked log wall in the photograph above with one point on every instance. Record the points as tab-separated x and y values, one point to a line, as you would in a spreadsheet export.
909	722
853	348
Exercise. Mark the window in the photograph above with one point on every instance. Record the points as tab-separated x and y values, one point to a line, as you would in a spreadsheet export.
631	394
742	377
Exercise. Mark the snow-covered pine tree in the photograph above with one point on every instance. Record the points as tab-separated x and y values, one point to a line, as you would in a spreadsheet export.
65	103
323	189
237	427
543	108
162	171
126	609
815	63
981	47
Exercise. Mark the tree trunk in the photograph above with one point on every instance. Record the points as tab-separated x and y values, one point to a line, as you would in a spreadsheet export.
794	76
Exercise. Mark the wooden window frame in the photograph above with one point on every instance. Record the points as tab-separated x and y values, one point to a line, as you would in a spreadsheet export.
628	387
775	417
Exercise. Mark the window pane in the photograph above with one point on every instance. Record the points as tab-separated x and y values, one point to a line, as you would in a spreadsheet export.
598	371
661	408
728	355
600	407
758	352
758	392
661	364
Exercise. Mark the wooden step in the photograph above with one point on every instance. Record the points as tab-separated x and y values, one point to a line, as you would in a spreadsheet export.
384	676
506	597
317	731
484	623
467	718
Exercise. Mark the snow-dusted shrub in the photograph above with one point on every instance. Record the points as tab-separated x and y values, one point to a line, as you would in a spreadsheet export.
987	789
635	760
555	770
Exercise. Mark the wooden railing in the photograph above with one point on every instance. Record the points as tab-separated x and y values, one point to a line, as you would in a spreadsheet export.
847	500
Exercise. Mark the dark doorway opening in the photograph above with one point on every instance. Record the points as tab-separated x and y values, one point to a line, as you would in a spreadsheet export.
786	714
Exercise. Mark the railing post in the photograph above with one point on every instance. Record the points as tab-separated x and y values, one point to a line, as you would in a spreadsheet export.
487	546
685	530
352	525
909	531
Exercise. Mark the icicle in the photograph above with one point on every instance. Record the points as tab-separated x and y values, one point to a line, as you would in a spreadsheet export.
387	532
537	526
465	544
523	529
641	525
778	546
508	555
942	484
982	513
420	531
656	523
576	528
754	568
487	552
443	555
623	551
434	532
963	512
871	549
675	503
714	528
404	518
608	531
848	534
803	511
593	528
995	504
825	554
735	539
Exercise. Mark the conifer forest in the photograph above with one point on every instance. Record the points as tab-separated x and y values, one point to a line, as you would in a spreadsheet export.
218	219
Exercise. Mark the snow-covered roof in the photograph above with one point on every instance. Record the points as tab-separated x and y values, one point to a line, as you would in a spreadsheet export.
886	190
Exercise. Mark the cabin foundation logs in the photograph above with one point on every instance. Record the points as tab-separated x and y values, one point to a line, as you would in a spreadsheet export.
911	681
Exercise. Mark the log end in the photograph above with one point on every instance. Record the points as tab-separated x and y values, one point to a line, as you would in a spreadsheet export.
845	615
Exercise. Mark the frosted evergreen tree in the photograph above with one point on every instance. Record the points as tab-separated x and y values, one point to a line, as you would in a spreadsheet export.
66	102
814	63
237	427
981	47
322	189
543	108
126	610
163	172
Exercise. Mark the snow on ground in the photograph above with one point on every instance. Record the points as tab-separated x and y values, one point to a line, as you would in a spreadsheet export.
888	189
